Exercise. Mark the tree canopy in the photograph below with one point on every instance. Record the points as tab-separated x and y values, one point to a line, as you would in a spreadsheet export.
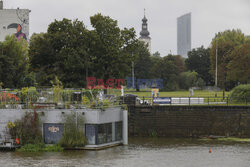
199	61
14	63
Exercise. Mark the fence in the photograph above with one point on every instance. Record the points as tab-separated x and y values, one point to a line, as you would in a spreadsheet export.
226	101
55	98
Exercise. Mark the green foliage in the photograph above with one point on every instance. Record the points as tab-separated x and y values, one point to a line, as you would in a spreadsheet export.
27	129
166	69
73	135
72	52
57	89
199	61
28	95
190	79
153	133
227	42
142	61
240	93
239	66
40	147
14	63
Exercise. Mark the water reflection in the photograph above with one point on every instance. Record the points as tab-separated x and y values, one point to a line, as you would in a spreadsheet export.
140	152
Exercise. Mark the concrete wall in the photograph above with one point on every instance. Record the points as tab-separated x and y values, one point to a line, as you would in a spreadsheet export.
9	16
55	116
189	121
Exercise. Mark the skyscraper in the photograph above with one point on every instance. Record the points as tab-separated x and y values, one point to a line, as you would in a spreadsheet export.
184	35
144	34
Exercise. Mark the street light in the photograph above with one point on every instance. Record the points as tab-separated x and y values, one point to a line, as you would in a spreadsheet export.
133	72
216	64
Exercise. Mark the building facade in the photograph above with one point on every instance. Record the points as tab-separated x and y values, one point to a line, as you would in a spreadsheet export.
184	35
144	34
14	21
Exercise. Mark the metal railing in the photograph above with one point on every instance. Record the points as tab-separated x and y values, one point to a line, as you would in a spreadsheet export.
223	101
48	98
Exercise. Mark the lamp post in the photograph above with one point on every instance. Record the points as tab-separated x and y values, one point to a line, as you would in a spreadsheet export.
133	72
216	64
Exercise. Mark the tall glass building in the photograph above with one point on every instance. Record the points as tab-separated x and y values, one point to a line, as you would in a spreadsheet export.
184	35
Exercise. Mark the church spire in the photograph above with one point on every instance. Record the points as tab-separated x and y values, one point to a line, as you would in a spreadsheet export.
144	32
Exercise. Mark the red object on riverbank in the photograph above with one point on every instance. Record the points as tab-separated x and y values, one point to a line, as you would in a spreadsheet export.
17	141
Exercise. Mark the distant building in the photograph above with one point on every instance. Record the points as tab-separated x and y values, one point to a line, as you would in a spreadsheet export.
144	34
14	21
184	35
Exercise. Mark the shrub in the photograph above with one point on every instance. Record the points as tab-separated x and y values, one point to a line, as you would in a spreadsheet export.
73	135
27	129
240	93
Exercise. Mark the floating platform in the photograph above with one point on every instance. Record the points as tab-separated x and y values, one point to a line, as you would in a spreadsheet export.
8	147
96	147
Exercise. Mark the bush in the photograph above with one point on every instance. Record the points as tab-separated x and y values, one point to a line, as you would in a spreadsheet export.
240	93
73	135
26	129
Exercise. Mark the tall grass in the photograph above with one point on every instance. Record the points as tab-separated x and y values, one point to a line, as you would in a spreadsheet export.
73	135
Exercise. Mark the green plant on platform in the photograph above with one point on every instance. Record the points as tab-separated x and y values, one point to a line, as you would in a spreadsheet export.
27	129
73	135
28	95
40	147
85	100
57	89
66	95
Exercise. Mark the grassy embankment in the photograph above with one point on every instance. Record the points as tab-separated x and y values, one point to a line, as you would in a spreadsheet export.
227	140
210	97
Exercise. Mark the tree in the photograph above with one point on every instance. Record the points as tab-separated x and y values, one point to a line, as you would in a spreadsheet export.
142	62
42	59
61	52
113	48
180	63
71	52
190	79
14	63
199	61
226	41
166	69
239	66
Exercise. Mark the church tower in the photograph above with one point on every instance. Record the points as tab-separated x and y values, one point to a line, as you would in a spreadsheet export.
144	34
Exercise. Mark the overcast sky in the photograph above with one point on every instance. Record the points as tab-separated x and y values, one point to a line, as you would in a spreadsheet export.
208	16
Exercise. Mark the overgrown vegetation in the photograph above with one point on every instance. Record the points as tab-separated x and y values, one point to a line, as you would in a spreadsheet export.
27	129
73	135
40	147
241	93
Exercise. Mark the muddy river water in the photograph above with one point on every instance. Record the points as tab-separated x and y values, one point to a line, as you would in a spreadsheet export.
141	152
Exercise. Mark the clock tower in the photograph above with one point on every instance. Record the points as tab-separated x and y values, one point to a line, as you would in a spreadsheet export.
144	34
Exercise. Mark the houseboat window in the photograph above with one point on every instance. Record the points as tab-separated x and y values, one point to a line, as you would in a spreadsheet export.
90	133
118	131
104	133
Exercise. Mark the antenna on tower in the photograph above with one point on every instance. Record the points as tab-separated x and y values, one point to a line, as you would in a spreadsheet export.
144	11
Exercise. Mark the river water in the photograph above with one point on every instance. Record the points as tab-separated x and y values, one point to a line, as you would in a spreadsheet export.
141	152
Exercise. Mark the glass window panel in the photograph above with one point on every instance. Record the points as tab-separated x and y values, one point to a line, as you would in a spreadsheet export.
102	134
90	133
118	131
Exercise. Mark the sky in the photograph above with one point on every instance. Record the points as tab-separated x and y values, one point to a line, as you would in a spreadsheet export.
208	17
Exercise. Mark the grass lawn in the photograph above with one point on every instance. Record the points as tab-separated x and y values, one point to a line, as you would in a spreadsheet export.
197	93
